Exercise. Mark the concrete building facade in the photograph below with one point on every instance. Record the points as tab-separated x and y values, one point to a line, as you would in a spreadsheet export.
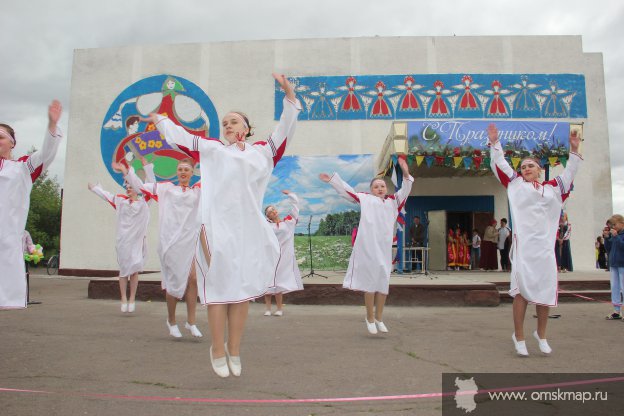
237	75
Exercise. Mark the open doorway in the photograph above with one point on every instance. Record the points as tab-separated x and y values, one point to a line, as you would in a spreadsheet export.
463	220
439	223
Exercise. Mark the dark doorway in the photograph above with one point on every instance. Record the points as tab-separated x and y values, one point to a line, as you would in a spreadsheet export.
463	220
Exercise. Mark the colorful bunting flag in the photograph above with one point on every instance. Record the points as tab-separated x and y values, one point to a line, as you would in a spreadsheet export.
553	161
477	161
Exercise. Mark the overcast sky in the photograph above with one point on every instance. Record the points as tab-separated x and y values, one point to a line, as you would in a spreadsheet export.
39	37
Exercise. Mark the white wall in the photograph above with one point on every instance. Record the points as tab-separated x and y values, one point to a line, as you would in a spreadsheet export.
236	75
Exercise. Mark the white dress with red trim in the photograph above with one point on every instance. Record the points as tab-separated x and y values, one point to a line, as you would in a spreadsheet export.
132	220
535	210
288	276
16	181
243	250
179	222
371	259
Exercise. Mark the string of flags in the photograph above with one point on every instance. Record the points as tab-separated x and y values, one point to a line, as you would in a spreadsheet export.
476	161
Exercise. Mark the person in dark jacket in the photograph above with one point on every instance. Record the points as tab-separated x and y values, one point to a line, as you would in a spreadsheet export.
614	244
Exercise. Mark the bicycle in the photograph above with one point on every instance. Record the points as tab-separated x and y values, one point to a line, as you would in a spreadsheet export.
52	265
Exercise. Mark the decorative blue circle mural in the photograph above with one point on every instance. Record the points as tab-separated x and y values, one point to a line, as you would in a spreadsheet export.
126	139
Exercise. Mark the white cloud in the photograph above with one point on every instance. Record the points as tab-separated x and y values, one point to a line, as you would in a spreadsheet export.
39	38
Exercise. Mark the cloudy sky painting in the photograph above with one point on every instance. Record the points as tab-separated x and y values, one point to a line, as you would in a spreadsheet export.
39	38
316	198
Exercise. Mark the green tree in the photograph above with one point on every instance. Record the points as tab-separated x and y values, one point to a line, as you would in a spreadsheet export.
340	223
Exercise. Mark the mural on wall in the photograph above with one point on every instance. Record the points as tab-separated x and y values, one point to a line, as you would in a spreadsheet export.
426	96
299	174
125	139
462	144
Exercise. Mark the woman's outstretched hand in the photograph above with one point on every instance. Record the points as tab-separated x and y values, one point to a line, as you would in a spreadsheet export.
55	110
324	177
286	85
118	167
152	118
492	134
575	141
404	166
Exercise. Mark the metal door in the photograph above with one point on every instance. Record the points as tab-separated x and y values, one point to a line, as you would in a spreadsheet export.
437	239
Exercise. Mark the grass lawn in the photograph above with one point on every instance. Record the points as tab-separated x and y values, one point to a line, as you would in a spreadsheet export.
328	252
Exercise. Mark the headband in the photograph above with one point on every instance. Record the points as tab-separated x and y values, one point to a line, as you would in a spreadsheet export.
7	135
241	118
534	160
186	164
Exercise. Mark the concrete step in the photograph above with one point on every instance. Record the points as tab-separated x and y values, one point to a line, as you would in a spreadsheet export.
476	294
568	285
413	294
571	296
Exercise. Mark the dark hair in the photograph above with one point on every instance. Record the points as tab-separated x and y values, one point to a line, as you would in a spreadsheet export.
416	216
131	120
244	116
504	220
9	130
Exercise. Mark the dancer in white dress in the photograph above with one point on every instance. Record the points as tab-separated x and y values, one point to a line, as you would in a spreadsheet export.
288	276
535	209
238	252
132	219
178	218
16	181
371	259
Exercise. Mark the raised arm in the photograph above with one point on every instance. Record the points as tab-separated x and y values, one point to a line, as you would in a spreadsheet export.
150	177
501	169
105	195
294	203
406	186
285	129
177	136
41	159
344	189
564	181
149	187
